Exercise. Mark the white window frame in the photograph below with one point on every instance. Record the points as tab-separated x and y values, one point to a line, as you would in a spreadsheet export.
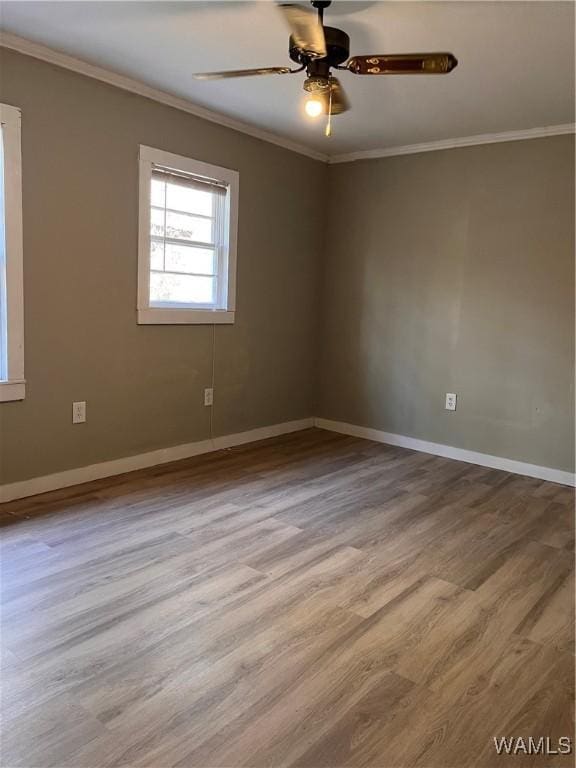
153	315
12	382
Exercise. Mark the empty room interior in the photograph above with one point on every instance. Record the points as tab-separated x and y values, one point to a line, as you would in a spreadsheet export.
287	310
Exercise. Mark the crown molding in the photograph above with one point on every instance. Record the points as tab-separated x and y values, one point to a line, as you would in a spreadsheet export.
464	141
52	56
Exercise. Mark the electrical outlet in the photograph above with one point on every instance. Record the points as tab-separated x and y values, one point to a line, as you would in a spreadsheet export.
79	412
450	401
208	396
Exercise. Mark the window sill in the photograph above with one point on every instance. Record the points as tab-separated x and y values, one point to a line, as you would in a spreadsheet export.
12	390
155	316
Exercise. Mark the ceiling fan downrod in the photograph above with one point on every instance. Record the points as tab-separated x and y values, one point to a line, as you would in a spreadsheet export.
320	5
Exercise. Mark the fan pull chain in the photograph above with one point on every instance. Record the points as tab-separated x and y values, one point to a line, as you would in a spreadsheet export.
328	131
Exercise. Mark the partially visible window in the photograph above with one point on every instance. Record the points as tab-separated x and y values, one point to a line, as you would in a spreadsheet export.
187	243
11	290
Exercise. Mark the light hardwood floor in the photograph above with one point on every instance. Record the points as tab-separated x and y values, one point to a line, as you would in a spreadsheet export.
313	600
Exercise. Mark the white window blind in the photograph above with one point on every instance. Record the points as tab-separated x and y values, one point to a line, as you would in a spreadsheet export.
187	240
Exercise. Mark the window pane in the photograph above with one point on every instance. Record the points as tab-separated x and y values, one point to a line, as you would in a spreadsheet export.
156	255
158	193
3	324
183	227
181	289
157	222
189	200
185	258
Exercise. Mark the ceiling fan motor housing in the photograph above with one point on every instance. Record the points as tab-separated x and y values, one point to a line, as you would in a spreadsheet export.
337	47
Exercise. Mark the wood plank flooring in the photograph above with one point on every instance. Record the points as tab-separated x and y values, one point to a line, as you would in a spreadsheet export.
313	600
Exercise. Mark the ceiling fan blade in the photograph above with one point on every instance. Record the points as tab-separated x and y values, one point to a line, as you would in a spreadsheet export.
403	64
340	101
242	73
307	32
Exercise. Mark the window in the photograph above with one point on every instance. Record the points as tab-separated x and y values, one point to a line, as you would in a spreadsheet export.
11	292
187	241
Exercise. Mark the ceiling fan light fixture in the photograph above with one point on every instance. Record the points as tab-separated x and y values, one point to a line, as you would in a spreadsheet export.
314	106
318	87
316	83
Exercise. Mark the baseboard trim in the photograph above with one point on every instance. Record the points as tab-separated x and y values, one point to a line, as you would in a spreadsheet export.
45	483
449	452
70	477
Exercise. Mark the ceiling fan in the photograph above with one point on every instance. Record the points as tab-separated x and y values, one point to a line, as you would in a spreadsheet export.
319	49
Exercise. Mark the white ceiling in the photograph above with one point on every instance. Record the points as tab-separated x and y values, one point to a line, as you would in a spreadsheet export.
516	67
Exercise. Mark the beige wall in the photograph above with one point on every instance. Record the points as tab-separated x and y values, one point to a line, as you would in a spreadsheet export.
453	271
144	384
442	272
